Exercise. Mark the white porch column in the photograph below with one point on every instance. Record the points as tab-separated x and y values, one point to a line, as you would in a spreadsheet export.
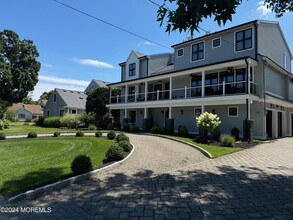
170	112
170	89
145	113
145	91
110	98
248	109
203	79
136	93
126	93
202	109
125	113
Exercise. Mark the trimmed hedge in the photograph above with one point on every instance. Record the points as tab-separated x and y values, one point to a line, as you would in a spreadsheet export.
32	135
79	134
81	164
182	131
227	141
111	135
2	136
115	153
122	137
156	129
134	128
56	134
125	145
52	122
99	134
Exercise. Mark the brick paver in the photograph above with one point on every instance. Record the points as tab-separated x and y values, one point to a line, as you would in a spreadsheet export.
252	184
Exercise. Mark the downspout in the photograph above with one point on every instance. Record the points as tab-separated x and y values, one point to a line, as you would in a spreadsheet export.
264	95
247	92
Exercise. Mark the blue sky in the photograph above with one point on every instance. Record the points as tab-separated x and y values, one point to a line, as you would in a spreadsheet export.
75	48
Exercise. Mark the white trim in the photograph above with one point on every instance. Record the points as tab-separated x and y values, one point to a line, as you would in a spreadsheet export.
182	52
216	39
204	52
233	116
252	39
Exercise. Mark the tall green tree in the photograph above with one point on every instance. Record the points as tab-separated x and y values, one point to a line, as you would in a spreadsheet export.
29	100
18	69
188	14
46	95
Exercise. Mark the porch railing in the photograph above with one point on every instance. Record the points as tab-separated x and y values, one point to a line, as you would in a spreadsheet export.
221	89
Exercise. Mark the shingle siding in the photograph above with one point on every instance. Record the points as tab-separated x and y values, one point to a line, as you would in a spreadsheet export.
275	82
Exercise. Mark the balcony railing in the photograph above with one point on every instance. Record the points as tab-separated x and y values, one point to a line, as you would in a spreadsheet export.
187	92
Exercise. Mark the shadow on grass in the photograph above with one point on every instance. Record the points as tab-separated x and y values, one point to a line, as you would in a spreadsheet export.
32	180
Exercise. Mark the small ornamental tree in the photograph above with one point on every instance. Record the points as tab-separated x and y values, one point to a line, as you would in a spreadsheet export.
207	122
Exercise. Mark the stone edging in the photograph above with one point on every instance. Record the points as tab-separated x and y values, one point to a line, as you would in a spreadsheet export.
204	152
66	182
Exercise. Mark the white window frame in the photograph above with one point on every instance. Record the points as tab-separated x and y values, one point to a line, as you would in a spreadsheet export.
216	39
204	52
182	52
233	116
194	111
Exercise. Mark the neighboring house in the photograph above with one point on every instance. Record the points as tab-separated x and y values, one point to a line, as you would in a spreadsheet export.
94	84
63	101
242	74
27	112
42	102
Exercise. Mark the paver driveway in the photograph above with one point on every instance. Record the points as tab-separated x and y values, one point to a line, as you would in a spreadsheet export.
251	184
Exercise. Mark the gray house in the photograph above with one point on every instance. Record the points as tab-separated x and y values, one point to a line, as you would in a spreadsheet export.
94	84
64	101
242	74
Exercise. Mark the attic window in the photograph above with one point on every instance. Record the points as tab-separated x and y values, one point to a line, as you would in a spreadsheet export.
64	90
180	52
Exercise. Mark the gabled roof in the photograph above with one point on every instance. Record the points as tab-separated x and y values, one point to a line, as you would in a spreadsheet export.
72	98
100	83
138	54
34	109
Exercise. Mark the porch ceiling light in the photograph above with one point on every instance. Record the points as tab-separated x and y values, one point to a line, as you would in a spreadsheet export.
229	69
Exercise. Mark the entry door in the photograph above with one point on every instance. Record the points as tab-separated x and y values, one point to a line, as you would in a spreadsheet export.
269	125
280	124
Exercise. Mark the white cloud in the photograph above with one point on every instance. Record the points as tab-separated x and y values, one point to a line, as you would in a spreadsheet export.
263	10
95	63
47	83
47	65
145	43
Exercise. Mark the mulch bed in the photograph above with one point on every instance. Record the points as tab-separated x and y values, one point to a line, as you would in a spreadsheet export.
241	144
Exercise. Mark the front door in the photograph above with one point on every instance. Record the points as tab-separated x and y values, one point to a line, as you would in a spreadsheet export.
269	122
280	124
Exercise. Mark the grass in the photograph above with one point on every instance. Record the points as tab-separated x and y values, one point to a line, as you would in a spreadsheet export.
20	128
215	151
29	163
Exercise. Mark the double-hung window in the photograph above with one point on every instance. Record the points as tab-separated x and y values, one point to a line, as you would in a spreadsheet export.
132	69
197	51
244	39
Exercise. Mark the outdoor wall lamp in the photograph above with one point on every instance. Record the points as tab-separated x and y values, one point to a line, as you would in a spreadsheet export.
182	111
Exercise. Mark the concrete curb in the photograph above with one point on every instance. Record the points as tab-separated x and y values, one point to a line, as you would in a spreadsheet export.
62	183
204	152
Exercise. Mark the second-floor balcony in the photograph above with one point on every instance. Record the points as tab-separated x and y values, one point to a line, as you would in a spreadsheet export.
222	89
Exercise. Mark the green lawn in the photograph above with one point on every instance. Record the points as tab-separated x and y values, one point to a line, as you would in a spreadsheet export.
28	163
215	151
20	128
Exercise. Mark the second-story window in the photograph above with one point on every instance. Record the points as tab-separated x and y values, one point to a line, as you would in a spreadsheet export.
55	97
180	52
197	51
132	69
244	39
216	42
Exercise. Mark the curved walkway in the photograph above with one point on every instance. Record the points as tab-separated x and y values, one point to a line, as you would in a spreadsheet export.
252	184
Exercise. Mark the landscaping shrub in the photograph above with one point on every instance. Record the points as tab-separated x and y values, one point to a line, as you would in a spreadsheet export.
79	134
2	136
26	124
11	114
227	140
125	145
111	135
182	131
52	122
70	121
126	128
92	127
86	119
56	134
156	129
122	137
114	153
39	121
99	134
134	128
207	122
216	133
81	164
235	133
32	135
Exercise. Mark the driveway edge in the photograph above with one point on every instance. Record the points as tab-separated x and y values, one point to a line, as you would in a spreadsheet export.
204	152
62	183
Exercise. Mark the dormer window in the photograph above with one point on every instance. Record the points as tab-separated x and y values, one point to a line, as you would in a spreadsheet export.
93	86
197	51
180	52
243	40
132	69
